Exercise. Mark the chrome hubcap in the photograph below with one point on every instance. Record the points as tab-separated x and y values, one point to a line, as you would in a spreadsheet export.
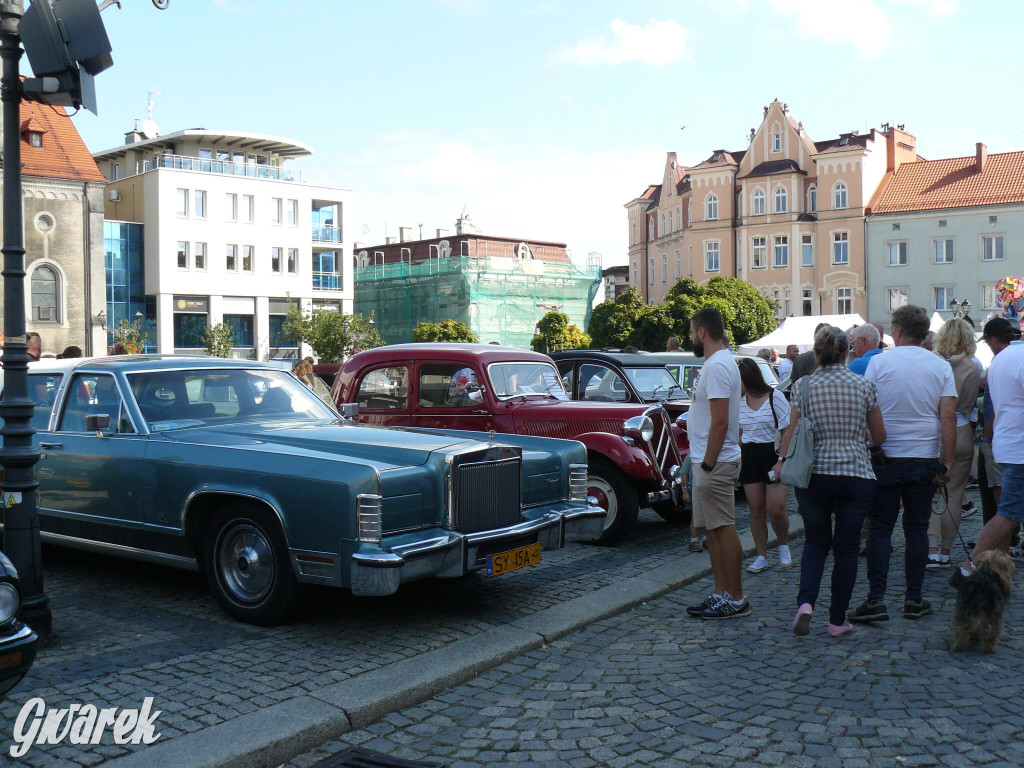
602	490
246	563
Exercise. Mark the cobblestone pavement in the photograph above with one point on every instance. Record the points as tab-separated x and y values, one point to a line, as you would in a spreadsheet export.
130	630
652	687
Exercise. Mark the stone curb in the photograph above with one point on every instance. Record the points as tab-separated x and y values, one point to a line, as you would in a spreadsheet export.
273	735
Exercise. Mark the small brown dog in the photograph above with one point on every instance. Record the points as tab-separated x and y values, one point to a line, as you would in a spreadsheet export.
981	602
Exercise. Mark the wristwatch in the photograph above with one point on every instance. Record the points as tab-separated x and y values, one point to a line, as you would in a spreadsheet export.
705	467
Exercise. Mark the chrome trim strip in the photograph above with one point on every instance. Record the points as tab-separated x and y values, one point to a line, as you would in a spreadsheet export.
241	494
119	550
22	634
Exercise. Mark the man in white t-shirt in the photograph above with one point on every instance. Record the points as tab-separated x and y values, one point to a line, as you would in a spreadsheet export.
917	395
1006	387
713	426
786	364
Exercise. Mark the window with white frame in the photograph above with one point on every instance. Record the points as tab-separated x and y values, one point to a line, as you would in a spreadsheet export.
650	271
199	256
663	230
781	250
989	296
841	248
247	257
182	255
182	202
636	273
200	204
664	268
898	297
776	303
711	207
231	258
679	266
293	213
293	260
634	232
671	223
759	253
650	228
115	171
275	260
807	250
785	303
781	200
844	301
812	199
757	203
275	210
777	141
712	256
943	295
231	203
689	210
839	199
807	299
898	254
943	250
992	248
248	208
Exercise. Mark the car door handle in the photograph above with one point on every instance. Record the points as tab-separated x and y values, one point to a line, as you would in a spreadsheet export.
51	445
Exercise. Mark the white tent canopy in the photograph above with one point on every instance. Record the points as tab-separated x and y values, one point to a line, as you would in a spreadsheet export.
800	331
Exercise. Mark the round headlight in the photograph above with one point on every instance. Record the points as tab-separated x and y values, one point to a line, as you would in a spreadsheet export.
642	425
10	602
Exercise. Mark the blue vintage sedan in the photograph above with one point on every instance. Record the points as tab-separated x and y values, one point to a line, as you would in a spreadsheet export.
236	469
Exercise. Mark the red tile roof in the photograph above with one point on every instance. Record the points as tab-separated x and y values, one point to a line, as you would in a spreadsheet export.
954	183
63	154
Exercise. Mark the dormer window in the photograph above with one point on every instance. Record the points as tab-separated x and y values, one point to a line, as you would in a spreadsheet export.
35	138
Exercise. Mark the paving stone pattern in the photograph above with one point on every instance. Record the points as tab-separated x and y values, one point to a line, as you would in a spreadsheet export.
130	630
652	687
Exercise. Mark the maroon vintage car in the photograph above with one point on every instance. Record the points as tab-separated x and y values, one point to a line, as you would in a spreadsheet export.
634	452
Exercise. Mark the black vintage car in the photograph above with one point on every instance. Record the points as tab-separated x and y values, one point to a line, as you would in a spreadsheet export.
18	643
620	377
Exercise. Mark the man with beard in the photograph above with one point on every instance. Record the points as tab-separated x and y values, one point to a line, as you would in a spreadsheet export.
713	428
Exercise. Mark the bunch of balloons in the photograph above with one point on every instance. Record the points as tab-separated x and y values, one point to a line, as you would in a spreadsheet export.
1011	296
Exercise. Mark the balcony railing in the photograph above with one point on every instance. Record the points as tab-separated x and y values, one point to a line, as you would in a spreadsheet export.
326	281
207	165
327	234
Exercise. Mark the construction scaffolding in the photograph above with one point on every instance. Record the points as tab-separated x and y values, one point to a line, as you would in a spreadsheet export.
500	299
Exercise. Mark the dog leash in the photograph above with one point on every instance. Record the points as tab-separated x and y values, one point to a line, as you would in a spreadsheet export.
956	525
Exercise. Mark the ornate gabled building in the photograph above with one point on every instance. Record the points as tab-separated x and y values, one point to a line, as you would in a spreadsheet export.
786	215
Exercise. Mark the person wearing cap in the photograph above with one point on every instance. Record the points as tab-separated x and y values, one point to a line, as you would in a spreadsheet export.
866	342
1006	385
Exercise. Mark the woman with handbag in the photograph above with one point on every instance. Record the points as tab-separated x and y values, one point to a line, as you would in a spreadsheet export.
762	414
836	477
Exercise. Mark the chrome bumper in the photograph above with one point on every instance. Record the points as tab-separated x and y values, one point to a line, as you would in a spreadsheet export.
380	572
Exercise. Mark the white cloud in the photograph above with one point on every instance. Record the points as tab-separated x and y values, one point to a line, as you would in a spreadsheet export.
657	44
862	25
935	7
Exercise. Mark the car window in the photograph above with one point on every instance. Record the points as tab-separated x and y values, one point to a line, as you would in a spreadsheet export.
94	394
652	383
525	379
42	388
768	374
449	385
601	383
566	371
384	389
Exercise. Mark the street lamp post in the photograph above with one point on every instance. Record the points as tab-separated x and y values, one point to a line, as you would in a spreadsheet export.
959	308
18	455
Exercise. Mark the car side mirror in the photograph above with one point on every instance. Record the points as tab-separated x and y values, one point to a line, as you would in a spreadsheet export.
97	422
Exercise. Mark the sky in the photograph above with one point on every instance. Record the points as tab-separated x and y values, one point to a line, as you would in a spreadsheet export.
543	118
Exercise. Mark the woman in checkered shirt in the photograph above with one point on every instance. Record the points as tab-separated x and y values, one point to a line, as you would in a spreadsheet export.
842	406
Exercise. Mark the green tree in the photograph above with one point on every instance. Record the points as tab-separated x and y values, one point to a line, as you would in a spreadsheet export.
746	313
218	340
556	333
612	322
451	331
130	336
331	334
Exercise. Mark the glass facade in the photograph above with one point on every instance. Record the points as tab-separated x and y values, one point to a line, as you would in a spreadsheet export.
327	271
126	292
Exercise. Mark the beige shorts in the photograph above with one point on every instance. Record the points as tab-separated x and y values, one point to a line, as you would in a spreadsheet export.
995	472
714	495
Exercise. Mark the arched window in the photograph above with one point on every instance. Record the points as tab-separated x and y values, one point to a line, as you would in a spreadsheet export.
812	200
669	222
711	207
689	210
45	295
757	203
839	196
781	198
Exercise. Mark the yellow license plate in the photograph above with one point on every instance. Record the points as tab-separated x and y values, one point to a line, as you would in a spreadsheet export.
503	562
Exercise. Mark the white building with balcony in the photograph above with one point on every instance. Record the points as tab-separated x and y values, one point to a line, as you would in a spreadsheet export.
229	236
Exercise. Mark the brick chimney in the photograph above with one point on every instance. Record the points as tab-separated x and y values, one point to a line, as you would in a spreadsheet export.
901	147
981	152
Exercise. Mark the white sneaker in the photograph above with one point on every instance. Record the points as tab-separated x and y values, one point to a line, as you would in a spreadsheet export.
785	558
760	563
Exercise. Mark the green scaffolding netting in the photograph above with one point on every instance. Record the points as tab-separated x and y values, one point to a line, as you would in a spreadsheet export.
500	299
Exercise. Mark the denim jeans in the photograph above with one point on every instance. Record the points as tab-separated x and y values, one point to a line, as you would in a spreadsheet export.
912	481
848	498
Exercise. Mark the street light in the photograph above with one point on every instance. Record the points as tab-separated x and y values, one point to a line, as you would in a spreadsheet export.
959	308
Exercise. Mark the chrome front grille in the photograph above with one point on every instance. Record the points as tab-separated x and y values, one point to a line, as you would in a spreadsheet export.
663	445
487	495
578	482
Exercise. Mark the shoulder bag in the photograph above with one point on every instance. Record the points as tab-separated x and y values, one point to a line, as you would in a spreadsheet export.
796	469
775	416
